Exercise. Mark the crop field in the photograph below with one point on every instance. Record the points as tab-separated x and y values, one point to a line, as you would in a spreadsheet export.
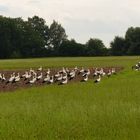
109	110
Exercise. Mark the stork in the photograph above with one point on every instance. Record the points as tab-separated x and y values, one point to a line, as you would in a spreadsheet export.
64	77
72	75
85	78
113	71
40	68
98	79
81	71
109	73
17	78
86	72
64	81
33	80
0	76
46	79
102	73
28	75
40	76
95	72
3	78
48	72
12	78
51	80
59	78
57	75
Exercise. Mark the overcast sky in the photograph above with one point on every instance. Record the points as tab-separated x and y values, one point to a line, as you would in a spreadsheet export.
82	19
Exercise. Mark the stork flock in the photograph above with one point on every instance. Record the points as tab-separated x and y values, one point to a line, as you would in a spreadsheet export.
61	76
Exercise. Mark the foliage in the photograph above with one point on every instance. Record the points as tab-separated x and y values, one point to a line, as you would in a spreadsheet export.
130	45
34	38
72	48
118	46
95	47
133	40
56	36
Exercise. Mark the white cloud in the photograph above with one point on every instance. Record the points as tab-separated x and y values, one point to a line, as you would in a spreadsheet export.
82	19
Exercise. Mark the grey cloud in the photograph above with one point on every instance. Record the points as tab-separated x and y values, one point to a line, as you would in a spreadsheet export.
33	1
4	8
99	28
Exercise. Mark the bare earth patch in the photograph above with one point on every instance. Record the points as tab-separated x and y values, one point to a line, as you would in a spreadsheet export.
4	86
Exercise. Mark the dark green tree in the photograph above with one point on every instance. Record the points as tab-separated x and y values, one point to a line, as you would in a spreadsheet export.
10	37
32	42
71	48
132	38
118	46
39	25
56	36
95	47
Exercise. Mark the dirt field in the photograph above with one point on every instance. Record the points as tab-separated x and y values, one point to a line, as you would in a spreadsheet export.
4	86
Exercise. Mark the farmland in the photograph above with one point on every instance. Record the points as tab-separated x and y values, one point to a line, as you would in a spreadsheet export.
76	111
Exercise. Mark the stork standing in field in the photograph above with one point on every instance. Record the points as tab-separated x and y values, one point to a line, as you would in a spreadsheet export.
46	79
57	75
64	77
31	70
86	72
102	73
40	76
63	82
33	80
85	78
72	74
51	80
62	71
113	71
0	76
98	79
3	78
28	75
59	78
136	66
24	75
67	70
40	68
109	73
81	71
76	68
17	78
95	72
12	78
48	72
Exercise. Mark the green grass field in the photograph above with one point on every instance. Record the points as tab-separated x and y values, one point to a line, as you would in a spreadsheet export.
109	110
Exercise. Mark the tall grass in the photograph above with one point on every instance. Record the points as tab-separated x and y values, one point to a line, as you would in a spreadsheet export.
109	110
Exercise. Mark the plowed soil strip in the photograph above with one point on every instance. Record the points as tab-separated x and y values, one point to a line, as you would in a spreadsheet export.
4	86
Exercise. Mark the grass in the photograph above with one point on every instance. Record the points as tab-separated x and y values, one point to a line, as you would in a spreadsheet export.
68	61
109	110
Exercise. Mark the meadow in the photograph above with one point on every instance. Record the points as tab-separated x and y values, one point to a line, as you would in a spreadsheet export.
109	110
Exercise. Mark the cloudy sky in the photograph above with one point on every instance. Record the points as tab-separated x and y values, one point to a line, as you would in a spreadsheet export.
82	19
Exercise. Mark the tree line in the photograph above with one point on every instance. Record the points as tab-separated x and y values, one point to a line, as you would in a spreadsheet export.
34	38
129	45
